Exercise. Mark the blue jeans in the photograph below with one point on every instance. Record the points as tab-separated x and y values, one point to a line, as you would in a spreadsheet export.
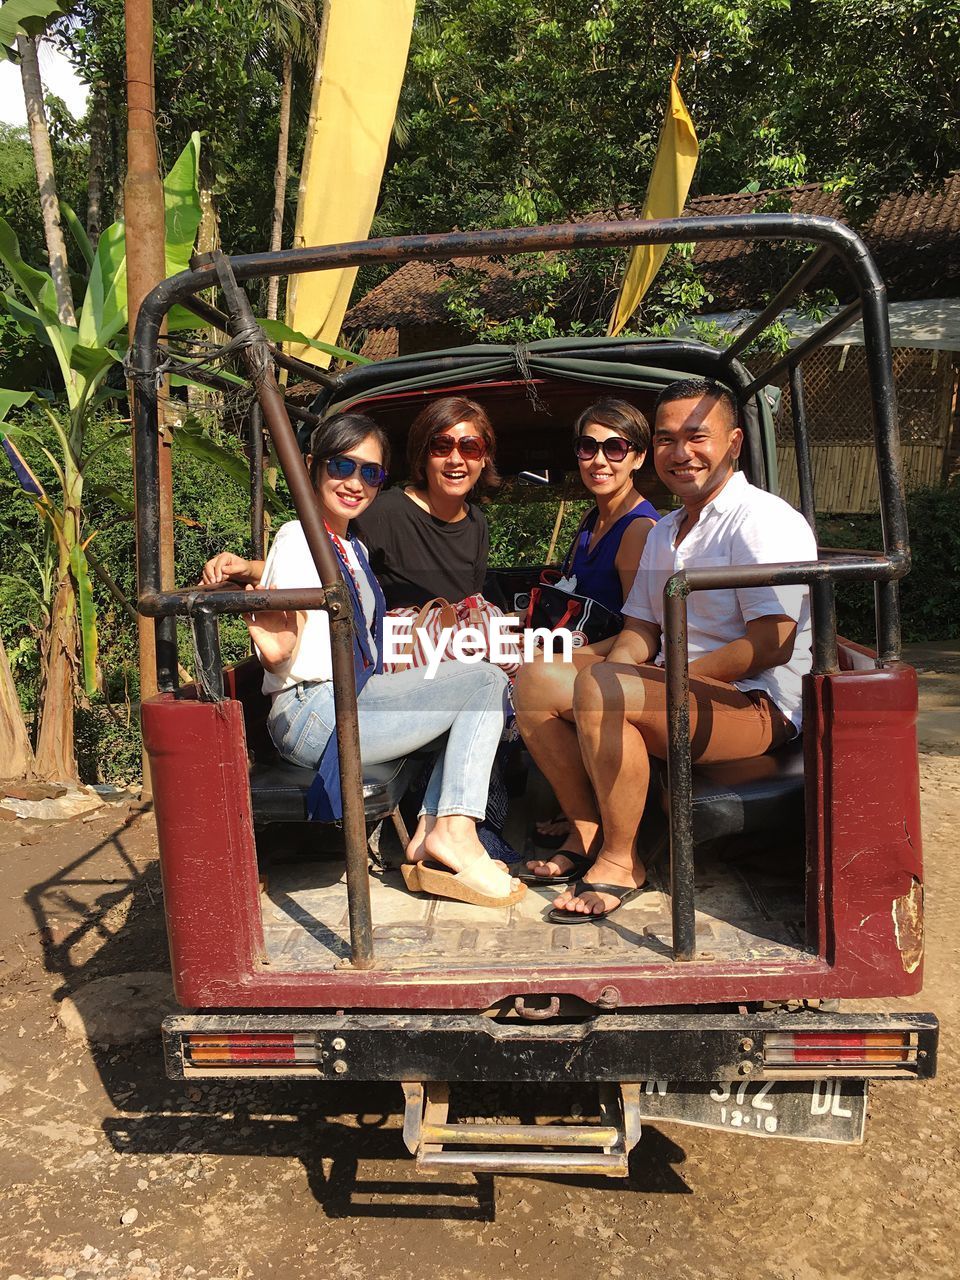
398	714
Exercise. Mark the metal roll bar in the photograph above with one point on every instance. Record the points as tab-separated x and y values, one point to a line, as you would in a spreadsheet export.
833	241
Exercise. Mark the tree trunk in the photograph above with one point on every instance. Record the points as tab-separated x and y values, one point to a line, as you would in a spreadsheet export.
208	240
16	756
280	178
56	759
99	144
46	180
146	267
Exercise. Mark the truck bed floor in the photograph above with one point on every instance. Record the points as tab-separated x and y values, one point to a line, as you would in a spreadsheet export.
740	915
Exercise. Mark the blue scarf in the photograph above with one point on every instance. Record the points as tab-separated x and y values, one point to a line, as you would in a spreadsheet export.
324	799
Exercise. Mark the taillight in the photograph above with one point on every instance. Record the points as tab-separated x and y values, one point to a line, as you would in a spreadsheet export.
831	1050
249	1049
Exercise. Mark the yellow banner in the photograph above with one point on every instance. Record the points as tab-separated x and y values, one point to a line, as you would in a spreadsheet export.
670	178
355	94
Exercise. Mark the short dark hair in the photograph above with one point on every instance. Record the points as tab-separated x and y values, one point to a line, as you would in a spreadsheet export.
620	416
700	389
340	433
439	416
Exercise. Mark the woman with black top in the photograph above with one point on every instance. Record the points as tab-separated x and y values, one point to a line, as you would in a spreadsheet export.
426	539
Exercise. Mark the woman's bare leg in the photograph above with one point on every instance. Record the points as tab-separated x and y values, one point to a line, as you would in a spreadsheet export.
543	697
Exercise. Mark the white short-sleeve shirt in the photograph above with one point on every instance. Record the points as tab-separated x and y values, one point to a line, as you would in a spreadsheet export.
290	564
742	525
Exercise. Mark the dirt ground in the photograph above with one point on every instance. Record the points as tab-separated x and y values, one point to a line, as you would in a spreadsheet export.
109	1169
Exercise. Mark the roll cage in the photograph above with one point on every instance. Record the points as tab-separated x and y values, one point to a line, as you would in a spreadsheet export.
832	241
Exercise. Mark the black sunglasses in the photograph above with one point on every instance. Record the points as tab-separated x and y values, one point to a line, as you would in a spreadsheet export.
342	467
615	448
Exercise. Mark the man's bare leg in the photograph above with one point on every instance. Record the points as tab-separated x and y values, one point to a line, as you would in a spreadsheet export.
543	697
621	716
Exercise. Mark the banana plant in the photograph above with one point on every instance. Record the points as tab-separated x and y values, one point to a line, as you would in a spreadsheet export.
85	353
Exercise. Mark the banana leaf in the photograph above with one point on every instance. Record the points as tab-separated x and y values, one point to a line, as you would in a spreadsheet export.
280	332
78	231
192	439
88	617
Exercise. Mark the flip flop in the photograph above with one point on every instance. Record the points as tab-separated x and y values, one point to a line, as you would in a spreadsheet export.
474	884
581	865
558	915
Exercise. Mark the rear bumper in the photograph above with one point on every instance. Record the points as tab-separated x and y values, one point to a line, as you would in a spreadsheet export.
615	1047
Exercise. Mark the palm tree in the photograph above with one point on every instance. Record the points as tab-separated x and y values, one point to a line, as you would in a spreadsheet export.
294	30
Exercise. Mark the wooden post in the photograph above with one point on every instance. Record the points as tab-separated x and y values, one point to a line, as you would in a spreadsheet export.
146	267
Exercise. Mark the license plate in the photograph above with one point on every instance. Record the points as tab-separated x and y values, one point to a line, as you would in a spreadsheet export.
827	1110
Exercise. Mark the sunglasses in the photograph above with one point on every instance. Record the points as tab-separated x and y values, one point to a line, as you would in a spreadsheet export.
615	448
471	447
342	467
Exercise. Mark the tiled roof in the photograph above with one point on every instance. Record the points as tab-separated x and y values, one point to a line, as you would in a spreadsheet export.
380	344
915	239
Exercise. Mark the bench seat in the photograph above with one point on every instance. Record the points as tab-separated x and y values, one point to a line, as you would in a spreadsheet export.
278	790
739	797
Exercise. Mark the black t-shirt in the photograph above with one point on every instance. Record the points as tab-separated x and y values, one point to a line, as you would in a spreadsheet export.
416	556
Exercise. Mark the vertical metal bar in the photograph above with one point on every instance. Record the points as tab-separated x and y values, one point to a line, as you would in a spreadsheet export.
887	609
801	444
147	483
823	608
206	648
168	655
679	771
255	428
339	609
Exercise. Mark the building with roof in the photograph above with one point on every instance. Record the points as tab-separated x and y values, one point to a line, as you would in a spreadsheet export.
915	240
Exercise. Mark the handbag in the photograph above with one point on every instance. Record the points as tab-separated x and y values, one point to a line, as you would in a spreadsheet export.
431	619
553	606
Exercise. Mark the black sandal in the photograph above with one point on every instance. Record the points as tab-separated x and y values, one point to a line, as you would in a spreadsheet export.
559	915
581	865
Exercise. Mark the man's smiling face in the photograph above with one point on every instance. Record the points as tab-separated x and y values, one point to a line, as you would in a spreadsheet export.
695	445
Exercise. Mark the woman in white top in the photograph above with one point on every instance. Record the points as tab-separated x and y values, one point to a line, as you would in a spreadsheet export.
397	713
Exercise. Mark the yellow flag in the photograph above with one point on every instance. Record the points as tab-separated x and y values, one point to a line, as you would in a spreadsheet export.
670	179
355	94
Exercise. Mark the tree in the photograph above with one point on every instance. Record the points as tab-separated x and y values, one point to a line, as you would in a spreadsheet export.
85	352
293	32
46	180
211	77
21	24
15	749
533	110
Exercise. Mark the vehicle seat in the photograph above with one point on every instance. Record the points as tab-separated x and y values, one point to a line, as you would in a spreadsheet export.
278	790
739	797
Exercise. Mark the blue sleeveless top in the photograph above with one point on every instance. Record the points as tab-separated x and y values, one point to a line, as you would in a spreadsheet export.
596	571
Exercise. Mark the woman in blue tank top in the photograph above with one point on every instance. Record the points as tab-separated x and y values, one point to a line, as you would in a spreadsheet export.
611	438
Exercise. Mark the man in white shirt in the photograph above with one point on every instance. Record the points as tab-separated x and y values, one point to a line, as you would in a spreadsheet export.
749	649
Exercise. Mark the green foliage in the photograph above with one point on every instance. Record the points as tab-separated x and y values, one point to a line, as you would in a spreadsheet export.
930	594
25	18
520	532
208	517
217	73
533	110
